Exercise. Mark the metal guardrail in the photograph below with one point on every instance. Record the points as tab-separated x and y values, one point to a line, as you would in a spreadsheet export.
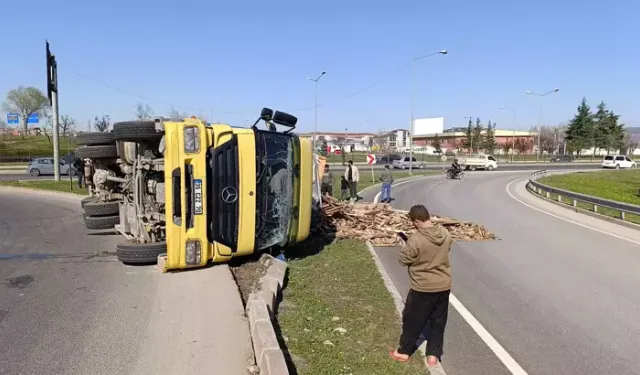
596	202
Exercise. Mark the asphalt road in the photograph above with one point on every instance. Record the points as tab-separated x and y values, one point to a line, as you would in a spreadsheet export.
67	306
559	297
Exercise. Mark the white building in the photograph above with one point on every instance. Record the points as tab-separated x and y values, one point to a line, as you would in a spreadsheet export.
351	142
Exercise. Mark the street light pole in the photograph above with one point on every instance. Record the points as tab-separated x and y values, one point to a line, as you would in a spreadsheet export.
513	126
315	108
413	103
540	117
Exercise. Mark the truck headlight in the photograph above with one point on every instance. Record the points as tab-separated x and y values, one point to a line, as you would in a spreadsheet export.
191	139
193	254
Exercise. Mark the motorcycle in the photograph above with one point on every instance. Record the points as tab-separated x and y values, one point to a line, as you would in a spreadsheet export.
453	175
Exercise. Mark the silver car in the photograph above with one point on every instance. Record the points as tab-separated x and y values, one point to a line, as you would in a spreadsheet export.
43	166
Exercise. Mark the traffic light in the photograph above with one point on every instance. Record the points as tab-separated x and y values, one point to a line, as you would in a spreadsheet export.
52	74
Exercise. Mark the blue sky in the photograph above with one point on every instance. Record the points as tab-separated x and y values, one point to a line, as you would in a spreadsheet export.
234	57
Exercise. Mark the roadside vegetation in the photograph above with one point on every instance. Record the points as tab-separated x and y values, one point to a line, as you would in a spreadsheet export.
337	316
62	186
622	186
365	177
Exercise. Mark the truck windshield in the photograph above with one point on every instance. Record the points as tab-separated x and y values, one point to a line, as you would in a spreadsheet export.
275	188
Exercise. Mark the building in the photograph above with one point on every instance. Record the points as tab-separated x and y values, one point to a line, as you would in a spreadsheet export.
351	142
452	140
397	139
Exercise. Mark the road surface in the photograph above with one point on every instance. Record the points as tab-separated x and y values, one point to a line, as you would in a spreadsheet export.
560	298
67	306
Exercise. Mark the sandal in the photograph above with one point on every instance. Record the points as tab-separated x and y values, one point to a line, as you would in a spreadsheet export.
397	358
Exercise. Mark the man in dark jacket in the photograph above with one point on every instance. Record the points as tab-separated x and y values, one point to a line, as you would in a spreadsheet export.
78	165
426	255
327	181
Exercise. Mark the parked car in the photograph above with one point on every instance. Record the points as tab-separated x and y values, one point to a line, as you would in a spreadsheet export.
44	166
405	162
617	162
387	159
561	159
479	161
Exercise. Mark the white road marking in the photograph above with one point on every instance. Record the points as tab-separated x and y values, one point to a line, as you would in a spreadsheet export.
488	339
564	218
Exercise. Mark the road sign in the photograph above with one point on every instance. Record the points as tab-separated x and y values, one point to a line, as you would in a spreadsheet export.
371	159
13	118
33	119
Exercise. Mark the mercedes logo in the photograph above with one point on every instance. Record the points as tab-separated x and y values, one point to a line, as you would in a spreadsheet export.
229	195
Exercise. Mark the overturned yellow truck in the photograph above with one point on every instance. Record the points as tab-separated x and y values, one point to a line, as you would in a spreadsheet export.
197	193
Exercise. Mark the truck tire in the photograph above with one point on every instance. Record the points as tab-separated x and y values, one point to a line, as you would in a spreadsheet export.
86	200
101	208
472	168
101	222
133	131
131	252
97	152
91	139
490	168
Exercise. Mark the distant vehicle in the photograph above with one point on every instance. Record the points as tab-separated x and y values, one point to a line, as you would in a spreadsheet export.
387	159
617	162
479	161
405	162
561	159
44	166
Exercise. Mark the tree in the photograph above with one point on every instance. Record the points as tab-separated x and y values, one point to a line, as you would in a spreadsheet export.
436	143
26	101
522	145
101	124
174	113
477	136
468	141
580	132
608	133
505	147
489	142
551	138
629	145
3	124
143	112
67	124
323	146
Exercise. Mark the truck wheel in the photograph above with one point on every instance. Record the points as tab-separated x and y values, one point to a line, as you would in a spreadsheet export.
133	131
86	200
132	252
97	152
101	208
472	168
101	222
91	139
490	168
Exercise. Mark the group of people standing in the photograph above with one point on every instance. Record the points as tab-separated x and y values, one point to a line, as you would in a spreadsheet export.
349	182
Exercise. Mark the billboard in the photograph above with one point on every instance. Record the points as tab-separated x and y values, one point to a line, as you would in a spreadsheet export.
427	126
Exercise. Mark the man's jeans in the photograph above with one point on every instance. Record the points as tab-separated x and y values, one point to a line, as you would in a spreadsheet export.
386	192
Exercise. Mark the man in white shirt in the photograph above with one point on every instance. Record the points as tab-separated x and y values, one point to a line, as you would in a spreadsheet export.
352	175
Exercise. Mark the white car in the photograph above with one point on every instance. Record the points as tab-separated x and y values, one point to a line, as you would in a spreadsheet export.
617	162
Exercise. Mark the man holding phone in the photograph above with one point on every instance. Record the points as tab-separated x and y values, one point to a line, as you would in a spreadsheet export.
426	255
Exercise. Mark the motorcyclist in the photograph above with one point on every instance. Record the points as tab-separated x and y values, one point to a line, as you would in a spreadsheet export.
455	168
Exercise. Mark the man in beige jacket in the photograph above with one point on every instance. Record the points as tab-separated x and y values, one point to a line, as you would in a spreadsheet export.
426	255
352	175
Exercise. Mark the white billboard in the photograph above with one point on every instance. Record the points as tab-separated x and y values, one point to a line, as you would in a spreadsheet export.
427	126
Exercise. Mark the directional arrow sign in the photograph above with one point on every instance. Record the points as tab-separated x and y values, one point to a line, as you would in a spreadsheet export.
371	159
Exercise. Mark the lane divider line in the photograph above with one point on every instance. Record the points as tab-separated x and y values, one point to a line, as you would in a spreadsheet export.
508	189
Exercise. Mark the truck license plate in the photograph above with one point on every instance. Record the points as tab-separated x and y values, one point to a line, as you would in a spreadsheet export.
197	193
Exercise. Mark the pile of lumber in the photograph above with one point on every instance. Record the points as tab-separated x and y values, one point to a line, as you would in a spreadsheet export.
380	224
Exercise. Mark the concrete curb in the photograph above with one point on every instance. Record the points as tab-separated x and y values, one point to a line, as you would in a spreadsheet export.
12	171
260	310
42	192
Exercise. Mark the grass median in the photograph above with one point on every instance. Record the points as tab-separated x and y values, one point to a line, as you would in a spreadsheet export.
366	179
618	185
62	186
337	316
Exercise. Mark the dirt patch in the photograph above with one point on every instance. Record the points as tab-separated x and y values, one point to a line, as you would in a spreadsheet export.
247	273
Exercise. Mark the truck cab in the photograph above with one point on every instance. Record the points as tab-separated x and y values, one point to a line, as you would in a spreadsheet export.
194	193
479	161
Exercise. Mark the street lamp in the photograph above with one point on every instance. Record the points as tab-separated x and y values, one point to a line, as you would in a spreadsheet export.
315	107
413	104
513	125
540	117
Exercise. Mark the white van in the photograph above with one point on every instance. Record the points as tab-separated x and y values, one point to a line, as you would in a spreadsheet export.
479	161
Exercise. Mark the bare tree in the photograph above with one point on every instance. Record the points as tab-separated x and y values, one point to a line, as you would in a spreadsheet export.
381	140
67	124
3	124
523	145
101	124
174	113
505	147
144	112
629	145
25	101
551	137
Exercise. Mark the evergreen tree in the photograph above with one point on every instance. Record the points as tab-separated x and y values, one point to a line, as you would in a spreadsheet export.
609	135
477	136
490	144
468	141
580	132
436	143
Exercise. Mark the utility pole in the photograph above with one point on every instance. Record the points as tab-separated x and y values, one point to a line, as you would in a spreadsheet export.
52	93
413	103
540	118
315	109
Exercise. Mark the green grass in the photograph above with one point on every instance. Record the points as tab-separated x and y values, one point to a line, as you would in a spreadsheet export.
617	185
340	287
365	177
62	186
31	145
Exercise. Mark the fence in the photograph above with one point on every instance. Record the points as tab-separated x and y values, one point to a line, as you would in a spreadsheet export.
576	198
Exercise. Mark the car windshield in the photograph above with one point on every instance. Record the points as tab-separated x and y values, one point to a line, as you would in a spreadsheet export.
274	183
